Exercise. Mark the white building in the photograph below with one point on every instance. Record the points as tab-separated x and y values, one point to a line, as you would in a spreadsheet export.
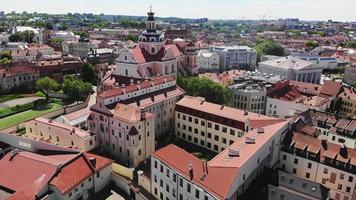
177	174
60	134
65	35
295	188
292	68
208	61
236	57
79	48
288	98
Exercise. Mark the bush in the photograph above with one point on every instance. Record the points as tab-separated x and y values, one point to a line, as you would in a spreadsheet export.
16	109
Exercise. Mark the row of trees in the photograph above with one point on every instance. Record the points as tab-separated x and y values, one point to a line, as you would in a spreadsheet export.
76	89
211	91
26	36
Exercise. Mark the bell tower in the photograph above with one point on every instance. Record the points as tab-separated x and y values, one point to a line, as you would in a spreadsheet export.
151	22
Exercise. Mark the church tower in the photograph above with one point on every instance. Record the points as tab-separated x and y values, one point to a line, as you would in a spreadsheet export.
151	40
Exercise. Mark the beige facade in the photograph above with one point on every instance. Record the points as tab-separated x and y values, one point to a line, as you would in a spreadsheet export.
331	173
126	132
211	126
60	134
348	102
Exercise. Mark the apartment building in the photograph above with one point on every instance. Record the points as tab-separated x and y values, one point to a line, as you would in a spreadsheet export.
125	132
320	161
348	102
60	134
327	126
177	174
249	91
208	61
236	57
212	126
157	96
288	98
292	187
292	68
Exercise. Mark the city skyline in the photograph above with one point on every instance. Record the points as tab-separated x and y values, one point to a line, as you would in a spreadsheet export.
224	9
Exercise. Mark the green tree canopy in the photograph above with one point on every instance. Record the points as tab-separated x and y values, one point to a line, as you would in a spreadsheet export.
211	91
269	47
351	44
26	36
88	73
76	89
311	44
47	85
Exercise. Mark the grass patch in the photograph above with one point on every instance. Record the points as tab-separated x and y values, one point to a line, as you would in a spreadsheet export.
16	109
9	97
28	115
40	94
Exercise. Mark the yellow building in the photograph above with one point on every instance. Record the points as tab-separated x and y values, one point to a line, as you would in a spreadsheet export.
214	126
348	105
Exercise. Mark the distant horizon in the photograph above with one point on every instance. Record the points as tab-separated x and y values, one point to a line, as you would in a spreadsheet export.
304	10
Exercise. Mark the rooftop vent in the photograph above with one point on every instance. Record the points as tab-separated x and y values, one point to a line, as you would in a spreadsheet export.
234	152
260	130
250	140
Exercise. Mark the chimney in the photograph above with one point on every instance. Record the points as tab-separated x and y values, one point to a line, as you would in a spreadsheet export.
50	121
221	107
190	168
143	114
123	86
324	144
343	151
92	161
139	85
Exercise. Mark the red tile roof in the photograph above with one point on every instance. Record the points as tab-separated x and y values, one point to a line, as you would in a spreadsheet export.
72	174
23	168
101	162
332	151
330	89
218	180
29	191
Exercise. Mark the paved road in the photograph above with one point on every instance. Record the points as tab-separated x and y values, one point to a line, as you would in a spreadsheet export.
20	101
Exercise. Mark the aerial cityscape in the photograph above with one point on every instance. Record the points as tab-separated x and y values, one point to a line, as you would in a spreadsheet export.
178	100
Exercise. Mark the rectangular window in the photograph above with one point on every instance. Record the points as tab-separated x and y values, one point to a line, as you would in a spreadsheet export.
309	165
197	194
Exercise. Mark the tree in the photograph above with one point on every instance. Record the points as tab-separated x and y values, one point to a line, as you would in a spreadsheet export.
269	47
28	36
311	44
88	73
211	91
16	37
351	44
47	85
76	89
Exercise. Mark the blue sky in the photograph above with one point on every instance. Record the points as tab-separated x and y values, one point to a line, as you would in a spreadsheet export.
343	10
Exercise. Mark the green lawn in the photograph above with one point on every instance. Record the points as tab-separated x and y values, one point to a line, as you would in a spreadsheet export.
25	116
